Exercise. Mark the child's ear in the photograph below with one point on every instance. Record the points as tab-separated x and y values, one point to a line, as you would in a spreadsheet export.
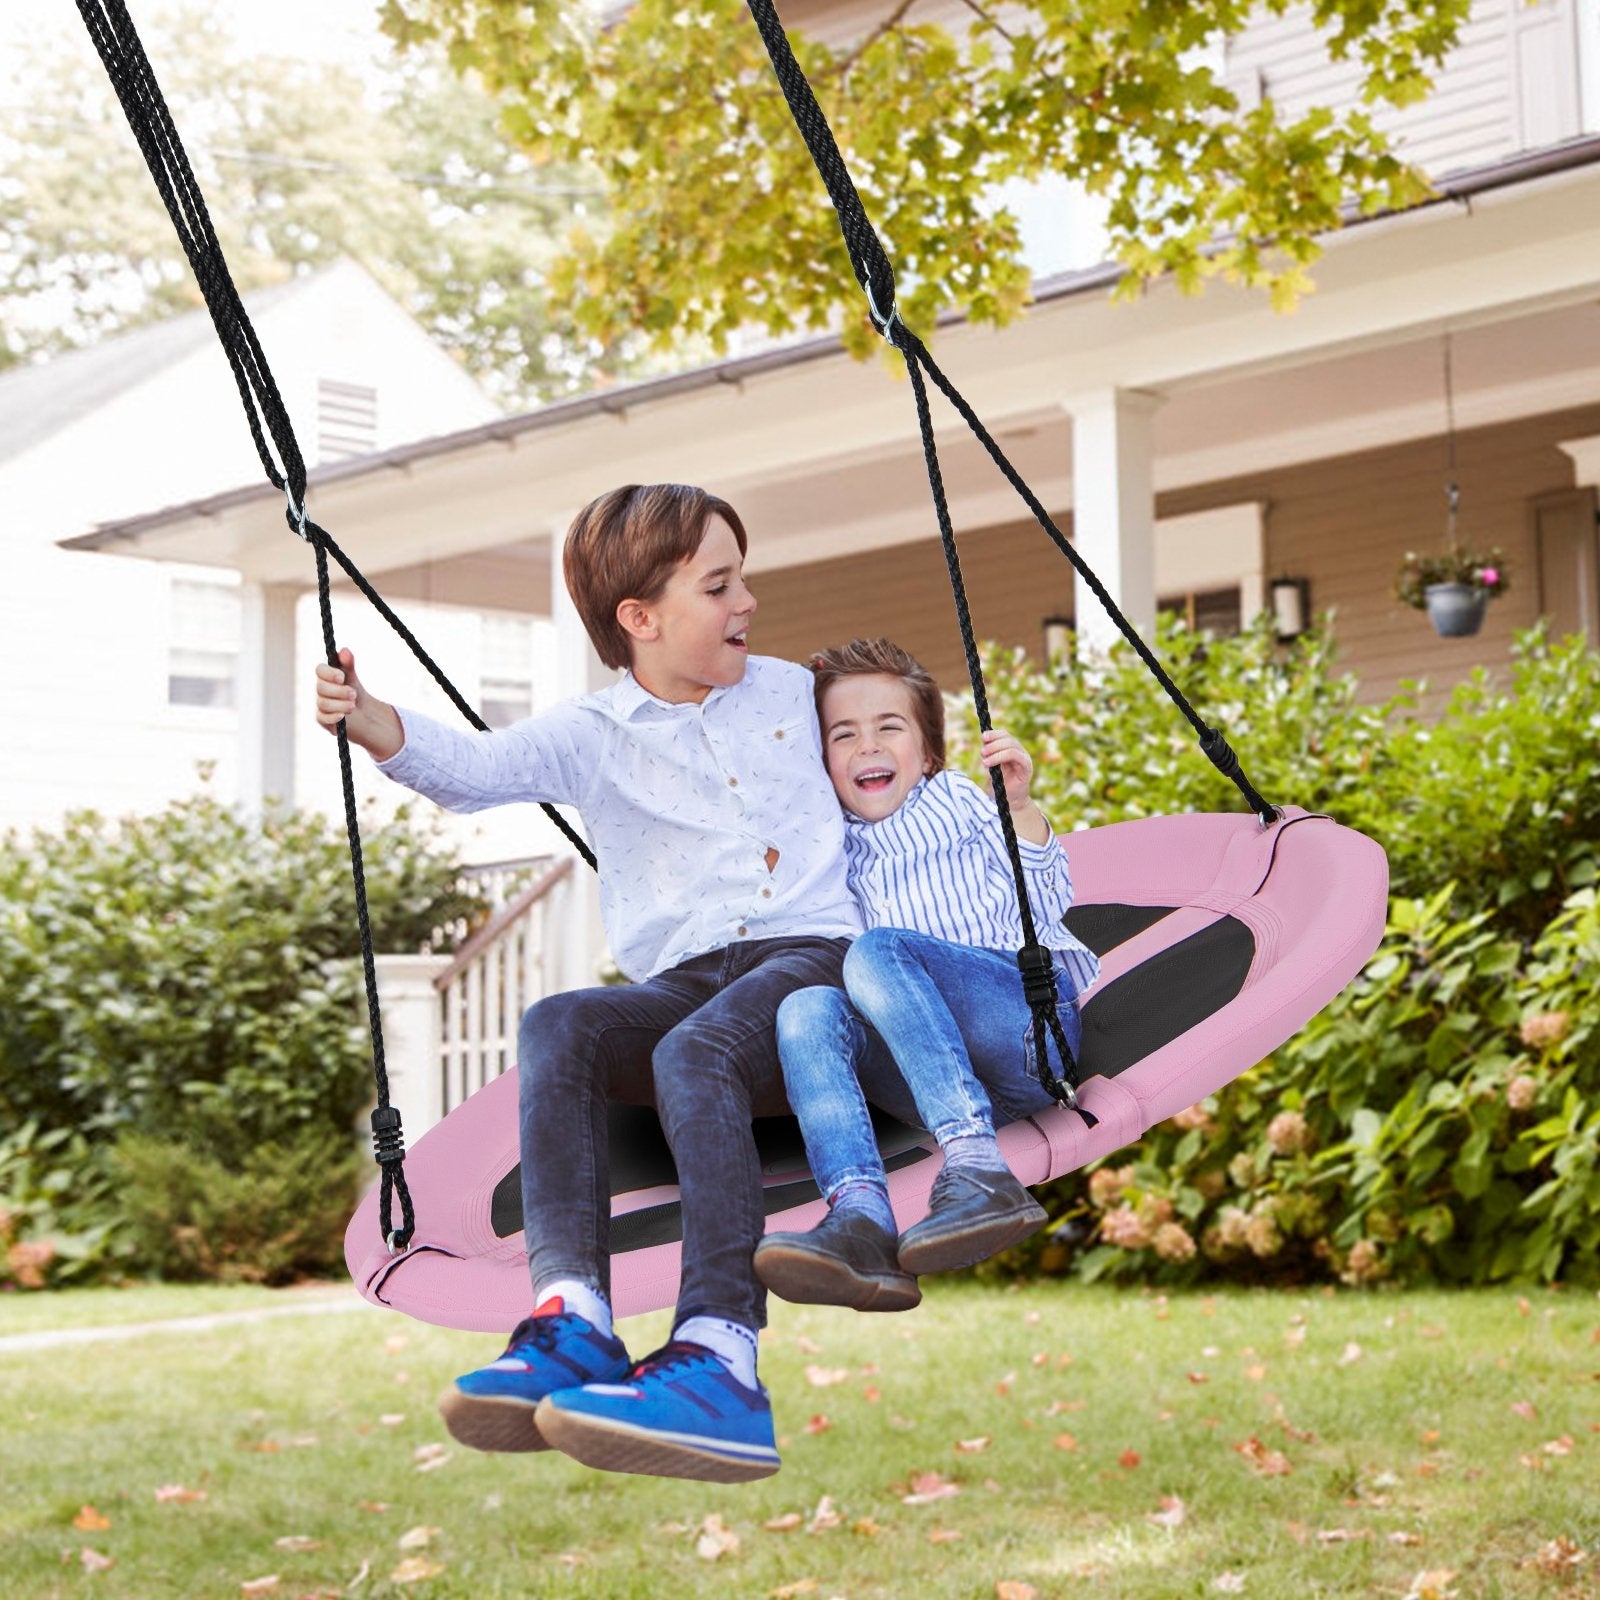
637	620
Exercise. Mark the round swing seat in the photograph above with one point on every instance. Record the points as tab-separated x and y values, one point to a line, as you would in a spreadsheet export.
1218	939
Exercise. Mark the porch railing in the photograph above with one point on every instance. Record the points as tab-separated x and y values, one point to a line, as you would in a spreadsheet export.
450	1021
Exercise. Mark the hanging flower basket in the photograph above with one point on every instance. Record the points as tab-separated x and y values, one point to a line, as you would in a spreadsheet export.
1453	587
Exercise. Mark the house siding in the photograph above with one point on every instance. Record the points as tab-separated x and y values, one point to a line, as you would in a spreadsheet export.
1493	96
1343	523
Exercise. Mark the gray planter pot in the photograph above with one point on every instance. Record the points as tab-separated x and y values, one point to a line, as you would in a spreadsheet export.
1455	609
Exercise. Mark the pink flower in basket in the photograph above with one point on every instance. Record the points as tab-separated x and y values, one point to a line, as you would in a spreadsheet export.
1489	577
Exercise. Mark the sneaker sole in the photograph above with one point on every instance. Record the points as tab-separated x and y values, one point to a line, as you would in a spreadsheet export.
809	1278
614	1446
487	1422
956	1248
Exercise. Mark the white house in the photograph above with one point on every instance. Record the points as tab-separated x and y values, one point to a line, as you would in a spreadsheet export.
120	679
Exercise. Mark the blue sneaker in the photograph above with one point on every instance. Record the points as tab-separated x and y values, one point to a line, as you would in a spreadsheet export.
678	1414
493	1408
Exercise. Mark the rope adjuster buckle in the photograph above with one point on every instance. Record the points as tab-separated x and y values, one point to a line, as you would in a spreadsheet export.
296	515
884	324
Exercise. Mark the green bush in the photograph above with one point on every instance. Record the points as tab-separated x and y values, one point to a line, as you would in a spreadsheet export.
58	1216
1441	1119
186	975
278	1215
181	987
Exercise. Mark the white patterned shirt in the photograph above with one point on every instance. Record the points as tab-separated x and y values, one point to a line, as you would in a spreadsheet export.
682	804
938	865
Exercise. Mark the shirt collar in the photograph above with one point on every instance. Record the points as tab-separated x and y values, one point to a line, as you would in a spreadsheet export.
628	695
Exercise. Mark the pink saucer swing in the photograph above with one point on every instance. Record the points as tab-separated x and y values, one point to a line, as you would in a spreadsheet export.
1218	939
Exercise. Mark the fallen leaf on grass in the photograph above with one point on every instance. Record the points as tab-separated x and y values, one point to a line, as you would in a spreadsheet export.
428	1457
1171	1514
259	1586
1065	1441
1012	1589
871	1394
867	1527
297	1542
927	1487
800	1586
1525	1409
972	1447
807	1347
1558	1447
418	1538
94	1561
944	1535
716	1539
824	1516
1255	1372
415	1568
360	1577
392	1419
1129	1459
787	1523
377	1507
818	1424
1198	1377
1229	1582
1341	1535
1403	1536
826	1377
1264	1462
1558	1556
88	1520
178	1495
1351	1354
1432	1585
1031	1318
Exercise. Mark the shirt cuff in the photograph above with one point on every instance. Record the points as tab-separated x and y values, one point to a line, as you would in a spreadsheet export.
1040	855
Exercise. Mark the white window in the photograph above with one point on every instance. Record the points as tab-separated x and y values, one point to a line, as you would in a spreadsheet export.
203	654
1215	611
347	420
507	686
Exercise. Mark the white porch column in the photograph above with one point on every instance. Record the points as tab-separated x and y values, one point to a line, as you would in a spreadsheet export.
410	1006
581	943
1113	507
266	696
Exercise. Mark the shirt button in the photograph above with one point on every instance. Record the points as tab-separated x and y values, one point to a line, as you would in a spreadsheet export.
733	783
778	734
743	930
766	894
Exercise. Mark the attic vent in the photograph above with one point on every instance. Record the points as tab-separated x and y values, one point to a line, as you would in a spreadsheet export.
347	420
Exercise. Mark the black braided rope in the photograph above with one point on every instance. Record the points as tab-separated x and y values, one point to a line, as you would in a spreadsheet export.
121	52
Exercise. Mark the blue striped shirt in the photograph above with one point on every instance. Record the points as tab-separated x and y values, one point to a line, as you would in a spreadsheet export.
938	866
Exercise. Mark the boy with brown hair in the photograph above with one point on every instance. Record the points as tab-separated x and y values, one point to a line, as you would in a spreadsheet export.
700	781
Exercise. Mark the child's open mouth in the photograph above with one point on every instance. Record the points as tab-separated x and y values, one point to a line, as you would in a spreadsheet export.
874	779
739	641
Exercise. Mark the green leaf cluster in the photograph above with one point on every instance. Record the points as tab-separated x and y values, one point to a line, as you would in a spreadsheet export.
719	222
1441	1119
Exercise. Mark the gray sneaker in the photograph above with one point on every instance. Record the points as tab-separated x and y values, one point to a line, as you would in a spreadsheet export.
846	1260
973	1213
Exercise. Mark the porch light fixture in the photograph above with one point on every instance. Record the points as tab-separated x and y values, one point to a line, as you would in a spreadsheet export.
1290	599
1058	637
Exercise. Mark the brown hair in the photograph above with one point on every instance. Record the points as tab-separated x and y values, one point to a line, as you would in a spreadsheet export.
625	546
878	657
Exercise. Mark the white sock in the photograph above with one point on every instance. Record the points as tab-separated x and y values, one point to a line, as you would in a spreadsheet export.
583	1298
732	1341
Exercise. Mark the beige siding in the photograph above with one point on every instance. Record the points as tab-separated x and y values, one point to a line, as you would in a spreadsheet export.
1473	117
1342	523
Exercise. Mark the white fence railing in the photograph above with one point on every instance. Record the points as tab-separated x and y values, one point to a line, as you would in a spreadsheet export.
450	1022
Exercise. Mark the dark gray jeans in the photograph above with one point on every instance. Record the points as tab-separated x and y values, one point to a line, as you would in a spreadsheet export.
698	1043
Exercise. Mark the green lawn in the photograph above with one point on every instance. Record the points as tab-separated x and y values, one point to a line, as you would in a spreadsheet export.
1097	1443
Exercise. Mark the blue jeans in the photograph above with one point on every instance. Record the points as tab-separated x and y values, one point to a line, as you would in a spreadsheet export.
937	1034
696	1042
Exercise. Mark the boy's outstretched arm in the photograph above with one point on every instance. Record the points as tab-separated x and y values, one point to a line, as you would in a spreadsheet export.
371	723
